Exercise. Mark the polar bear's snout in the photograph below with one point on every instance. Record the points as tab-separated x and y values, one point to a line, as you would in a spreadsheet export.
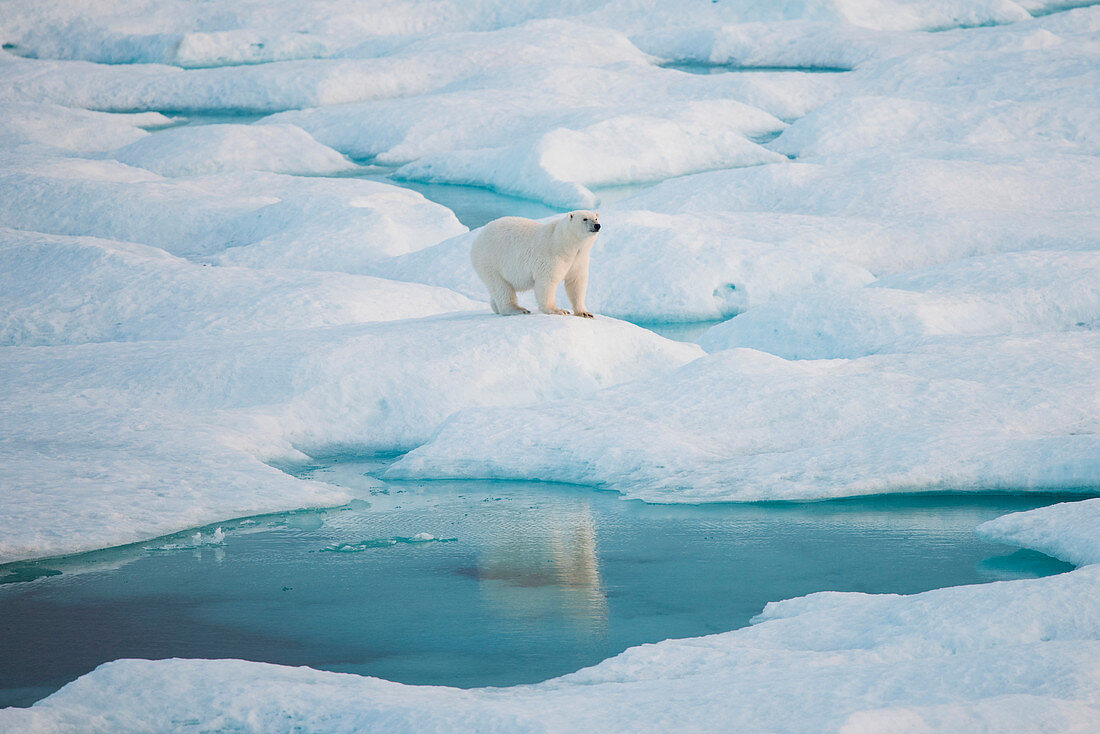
593	226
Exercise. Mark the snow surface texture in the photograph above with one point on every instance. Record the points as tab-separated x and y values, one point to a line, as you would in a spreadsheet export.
900	216
191	151
1019	292
972	414
243	218
71	290
144	438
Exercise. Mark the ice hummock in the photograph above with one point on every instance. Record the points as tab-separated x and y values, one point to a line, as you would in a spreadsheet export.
1001	413
206	149
113	430
101	290
252	218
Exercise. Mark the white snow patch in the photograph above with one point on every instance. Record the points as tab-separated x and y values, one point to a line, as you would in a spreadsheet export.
244	218
1069	530
561	167
70	290
141	439
198	150
1021	292
26	125
966	414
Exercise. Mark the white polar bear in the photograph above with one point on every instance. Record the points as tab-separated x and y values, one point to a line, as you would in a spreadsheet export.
516	254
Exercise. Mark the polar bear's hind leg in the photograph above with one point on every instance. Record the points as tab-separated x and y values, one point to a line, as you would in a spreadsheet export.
503	296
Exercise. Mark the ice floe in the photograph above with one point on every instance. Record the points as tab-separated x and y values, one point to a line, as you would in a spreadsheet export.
245	218
31	126
192	151
910	245
71	290
1019	292
1066	530
967	414
140	439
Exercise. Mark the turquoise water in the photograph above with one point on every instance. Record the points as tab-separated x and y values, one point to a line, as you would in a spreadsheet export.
522	581
703	67
474	206
688	331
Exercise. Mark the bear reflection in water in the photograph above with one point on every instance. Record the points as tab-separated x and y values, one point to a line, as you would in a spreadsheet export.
548	567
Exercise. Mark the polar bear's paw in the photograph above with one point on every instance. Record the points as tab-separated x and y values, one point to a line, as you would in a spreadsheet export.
555	311
513	310
583	314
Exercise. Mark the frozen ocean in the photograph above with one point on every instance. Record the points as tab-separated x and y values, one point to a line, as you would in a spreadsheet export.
827	459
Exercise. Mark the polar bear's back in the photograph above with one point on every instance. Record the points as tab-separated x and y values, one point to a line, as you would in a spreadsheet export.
509	245
519	230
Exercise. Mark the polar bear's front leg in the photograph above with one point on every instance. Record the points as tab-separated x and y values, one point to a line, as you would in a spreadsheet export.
576	285
545	294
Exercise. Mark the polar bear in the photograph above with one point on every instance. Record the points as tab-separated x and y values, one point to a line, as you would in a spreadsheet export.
516	254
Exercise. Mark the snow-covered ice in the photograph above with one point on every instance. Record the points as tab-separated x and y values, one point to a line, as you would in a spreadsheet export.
1019	292
900	217
1066	530
143	438
247	218
192	151
968	414
57	289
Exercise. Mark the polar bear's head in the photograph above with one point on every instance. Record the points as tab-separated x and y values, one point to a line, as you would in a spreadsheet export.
584	223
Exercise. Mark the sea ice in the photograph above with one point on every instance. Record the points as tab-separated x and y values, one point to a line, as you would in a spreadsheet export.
244	218
561	166
30	126
1019	292
198	150
964	413
935	232
1067	530
176	430
70	290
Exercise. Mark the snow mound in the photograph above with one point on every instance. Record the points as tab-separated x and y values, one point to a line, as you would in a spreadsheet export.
146	438
250	32
892	213
968	658
1067	530
965	414
793	44
1022	292
858	123
247	218
70	290
192	151
416	67
561	166
79	131
520	104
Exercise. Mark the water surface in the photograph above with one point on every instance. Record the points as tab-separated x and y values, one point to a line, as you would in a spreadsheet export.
706	67
518	583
